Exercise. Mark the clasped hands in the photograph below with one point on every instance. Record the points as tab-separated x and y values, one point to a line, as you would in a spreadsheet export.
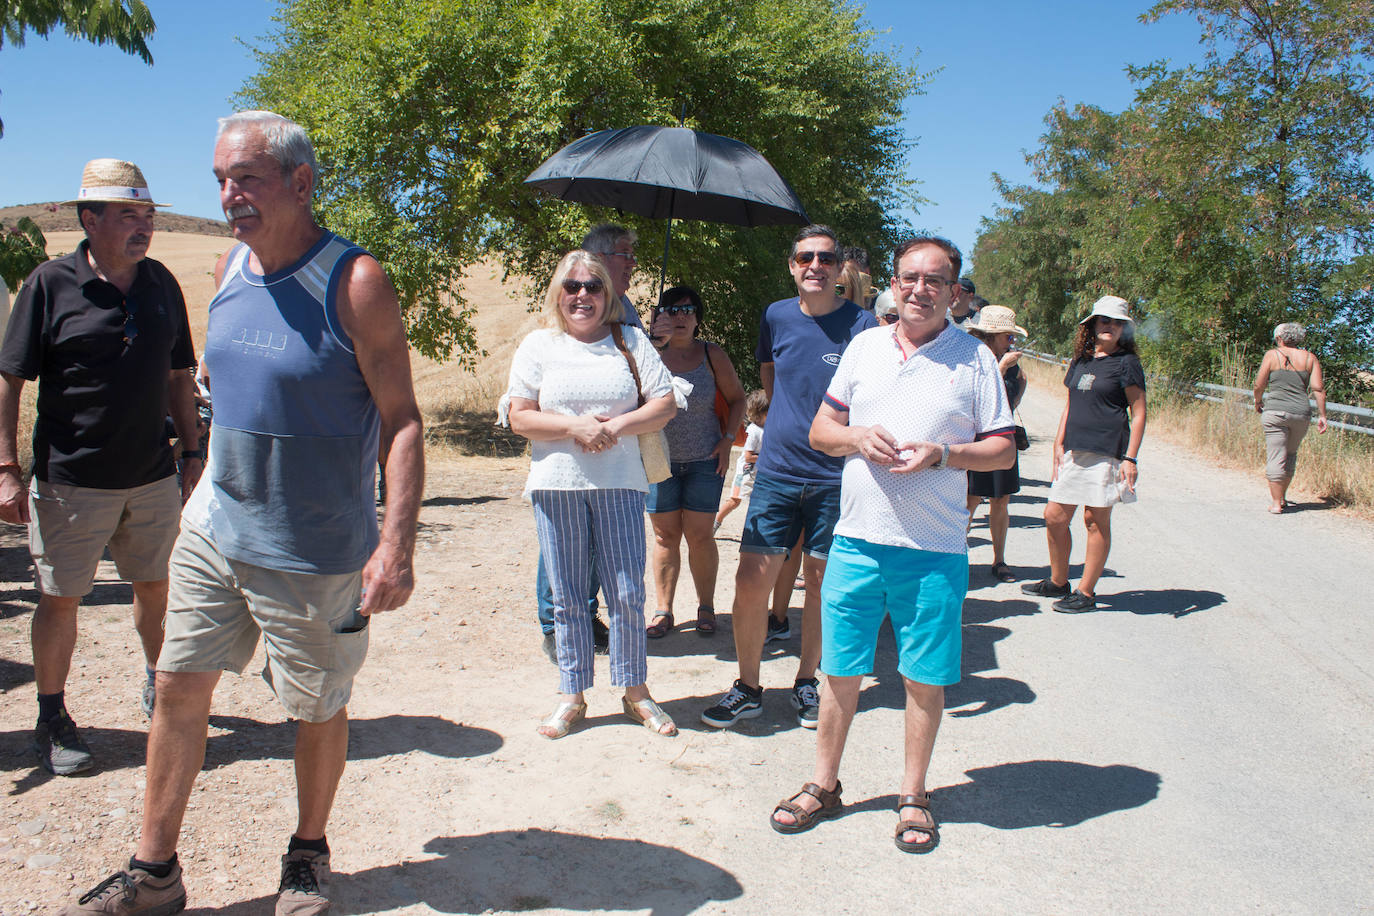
881	447
596	433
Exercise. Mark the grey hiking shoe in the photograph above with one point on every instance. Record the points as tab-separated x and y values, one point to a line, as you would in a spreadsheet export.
304	887
130	892
806	700
59	748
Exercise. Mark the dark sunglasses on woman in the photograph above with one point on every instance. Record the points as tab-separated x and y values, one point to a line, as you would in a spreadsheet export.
592	286
683	309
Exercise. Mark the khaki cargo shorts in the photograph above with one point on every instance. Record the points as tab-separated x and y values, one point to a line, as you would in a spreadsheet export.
218	607
70	527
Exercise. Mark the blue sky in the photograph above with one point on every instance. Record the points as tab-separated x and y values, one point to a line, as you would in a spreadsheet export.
1004	64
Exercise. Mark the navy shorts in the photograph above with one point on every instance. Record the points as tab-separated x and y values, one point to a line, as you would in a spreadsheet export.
694	486
780	511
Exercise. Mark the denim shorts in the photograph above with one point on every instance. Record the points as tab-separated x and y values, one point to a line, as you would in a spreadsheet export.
780	511
921	590
694	486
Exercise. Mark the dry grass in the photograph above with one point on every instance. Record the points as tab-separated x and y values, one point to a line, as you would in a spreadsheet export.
1335	466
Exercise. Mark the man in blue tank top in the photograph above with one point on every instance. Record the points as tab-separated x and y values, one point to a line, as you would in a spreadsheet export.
308	365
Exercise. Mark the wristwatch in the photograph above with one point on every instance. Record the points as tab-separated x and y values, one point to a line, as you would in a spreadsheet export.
193	453
944	458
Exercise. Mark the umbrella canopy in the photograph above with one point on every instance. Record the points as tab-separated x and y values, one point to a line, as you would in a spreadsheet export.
671	173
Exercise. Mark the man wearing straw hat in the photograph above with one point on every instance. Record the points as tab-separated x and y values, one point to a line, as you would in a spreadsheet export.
307	362
104	332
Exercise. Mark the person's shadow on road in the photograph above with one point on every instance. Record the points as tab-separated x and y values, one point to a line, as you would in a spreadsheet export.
1035	793
1176	602
517	870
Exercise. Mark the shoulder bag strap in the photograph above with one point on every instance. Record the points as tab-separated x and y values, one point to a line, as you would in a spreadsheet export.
629	358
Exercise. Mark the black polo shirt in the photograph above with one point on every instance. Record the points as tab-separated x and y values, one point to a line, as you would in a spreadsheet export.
102	400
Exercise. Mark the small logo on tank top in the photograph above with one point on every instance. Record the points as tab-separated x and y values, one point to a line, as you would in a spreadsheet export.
264	343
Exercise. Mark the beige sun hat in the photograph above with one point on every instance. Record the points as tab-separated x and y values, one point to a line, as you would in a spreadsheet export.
995	319
884	304
1110	307
112	181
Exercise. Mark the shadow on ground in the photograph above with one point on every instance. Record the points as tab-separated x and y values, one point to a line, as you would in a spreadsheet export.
1175	602
538	870
1035	793
117	748
473	433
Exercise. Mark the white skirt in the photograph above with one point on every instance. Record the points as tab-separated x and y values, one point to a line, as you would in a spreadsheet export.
1090	479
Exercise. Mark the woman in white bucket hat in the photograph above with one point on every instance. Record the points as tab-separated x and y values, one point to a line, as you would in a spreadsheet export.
1095	449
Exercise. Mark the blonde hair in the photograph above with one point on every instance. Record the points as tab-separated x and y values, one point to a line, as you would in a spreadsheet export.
852	283
553	315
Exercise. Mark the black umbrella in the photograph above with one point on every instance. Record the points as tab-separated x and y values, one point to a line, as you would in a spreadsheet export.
671	173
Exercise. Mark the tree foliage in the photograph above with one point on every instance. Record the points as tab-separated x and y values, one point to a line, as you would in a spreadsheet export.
1230	197
429	114
126	24
22	248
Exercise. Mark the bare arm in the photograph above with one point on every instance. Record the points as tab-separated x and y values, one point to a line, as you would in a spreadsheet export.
831	434
14	502
1262	381
1058	452
649	417
181	399
766	379
1319	394
1135	397
730	388
371	316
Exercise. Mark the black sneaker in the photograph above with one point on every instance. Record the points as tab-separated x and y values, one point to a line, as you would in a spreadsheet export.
1076	603
59	748
304	879
126	893
778	629
806	700
550	645
739	702
1045	589
601	636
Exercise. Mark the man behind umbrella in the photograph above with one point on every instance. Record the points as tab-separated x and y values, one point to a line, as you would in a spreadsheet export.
796	487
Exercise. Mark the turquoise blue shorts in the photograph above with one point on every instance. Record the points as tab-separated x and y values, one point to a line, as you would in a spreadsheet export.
921	590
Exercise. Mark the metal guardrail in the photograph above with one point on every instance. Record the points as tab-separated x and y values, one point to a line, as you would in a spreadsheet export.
1225	393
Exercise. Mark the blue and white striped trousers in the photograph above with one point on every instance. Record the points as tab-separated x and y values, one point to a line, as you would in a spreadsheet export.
569	523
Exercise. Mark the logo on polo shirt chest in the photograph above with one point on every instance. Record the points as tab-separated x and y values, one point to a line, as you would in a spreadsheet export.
831	358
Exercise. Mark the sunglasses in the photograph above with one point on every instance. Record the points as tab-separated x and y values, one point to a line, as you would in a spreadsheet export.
685	309
592	286
889	318
827	258
130	325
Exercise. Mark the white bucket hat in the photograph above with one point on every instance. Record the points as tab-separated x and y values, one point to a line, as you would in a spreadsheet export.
112	181
995	319
1110	307
884	304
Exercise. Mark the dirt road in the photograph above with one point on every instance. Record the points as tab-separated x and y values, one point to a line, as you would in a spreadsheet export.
1201	743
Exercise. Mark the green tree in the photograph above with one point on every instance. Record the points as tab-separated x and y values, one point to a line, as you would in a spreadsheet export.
126	24
22	248
1230	197
429	114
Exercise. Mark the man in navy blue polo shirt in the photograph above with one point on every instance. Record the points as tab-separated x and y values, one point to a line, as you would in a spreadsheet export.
796	488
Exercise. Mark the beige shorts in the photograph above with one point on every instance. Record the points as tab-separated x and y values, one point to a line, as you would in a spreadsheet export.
71	526
218	607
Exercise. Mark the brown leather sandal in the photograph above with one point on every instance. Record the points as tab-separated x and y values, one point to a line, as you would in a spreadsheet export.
706	620
931	830
660	626
805	820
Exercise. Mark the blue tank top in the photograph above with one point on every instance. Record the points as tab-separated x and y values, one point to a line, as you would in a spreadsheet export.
293	443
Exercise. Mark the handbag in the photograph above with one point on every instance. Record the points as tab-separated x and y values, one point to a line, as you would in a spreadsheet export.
653	447
1022	440
722	406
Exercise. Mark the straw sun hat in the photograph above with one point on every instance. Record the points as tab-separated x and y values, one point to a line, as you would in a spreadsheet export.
995	319
112	181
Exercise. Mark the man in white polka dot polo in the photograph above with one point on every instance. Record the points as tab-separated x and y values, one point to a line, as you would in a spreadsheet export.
911	407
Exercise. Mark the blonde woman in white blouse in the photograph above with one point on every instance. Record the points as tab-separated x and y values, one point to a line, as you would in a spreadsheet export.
573	396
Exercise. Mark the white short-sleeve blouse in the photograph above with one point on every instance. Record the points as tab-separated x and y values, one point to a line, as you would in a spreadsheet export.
576	379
